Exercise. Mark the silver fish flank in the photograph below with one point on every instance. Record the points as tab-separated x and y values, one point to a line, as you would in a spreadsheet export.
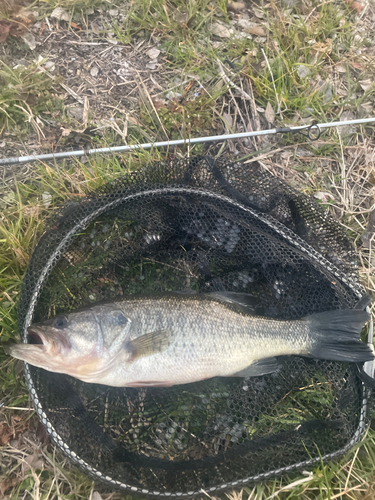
178	339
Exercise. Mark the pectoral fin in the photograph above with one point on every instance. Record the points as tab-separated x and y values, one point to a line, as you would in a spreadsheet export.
258	368
149	343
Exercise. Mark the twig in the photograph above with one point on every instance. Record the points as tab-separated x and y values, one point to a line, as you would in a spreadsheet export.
152	104
254	113
231	93
229	82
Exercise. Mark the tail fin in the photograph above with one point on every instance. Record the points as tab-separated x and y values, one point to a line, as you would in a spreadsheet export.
335	335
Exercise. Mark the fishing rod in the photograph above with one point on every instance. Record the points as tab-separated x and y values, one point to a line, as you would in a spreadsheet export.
312	131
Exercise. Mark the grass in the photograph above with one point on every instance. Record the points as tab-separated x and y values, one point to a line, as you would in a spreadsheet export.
302	47
25	98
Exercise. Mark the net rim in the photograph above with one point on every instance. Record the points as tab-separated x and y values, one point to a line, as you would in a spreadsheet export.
273	224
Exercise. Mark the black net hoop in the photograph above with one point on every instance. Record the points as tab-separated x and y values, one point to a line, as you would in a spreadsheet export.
210	226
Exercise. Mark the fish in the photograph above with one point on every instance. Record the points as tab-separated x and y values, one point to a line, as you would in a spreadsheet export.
171	339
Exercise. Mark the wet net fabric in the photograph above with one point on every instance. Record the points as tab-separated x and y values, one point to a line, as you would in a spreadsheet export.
204	225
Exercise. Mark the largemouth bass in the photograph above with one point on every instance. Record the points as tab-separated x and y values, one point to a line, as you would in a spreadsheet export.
177	339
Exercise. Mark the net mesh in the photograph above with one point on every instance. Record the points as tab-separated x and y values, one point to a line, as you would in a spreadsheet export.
209	226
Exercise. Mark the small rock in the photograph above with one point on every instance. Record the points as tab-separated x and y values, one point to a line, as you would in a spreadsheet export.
50	65
303	71
153	53
303	152
60	14
173	95
261	40
113	12
94	71
245	23
76	113
152	65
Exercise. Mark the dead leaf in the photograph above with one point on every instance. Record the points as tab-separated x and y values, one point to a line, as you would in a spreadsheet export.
16	24
269	114
321	49
31	211
95	495
5	434
75	26
228	120
42	28
220	30
259	14
340	68
33	461
235	6
65	131
256	30
133	120
324	197
357	65
366	84
153	53
355	5
4	30
41	434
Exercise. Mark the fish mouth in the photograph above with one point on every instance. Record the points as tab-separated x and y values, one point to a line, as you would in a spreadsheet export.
46	347
54	340
34	337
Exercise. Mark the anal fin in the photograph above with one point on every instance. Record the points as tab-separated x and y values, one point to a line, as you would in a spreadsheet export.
259	367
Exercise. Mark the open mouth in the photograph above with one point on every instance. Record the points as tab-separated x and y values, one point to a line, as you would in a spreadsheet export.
34	337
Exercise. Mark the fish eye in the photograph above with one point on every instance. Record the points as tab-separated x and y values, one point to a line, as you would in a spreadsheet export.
121	319
60	322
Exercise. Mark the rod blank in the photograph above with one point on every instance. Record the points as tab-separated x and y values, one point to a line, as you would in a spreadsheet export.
180	142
